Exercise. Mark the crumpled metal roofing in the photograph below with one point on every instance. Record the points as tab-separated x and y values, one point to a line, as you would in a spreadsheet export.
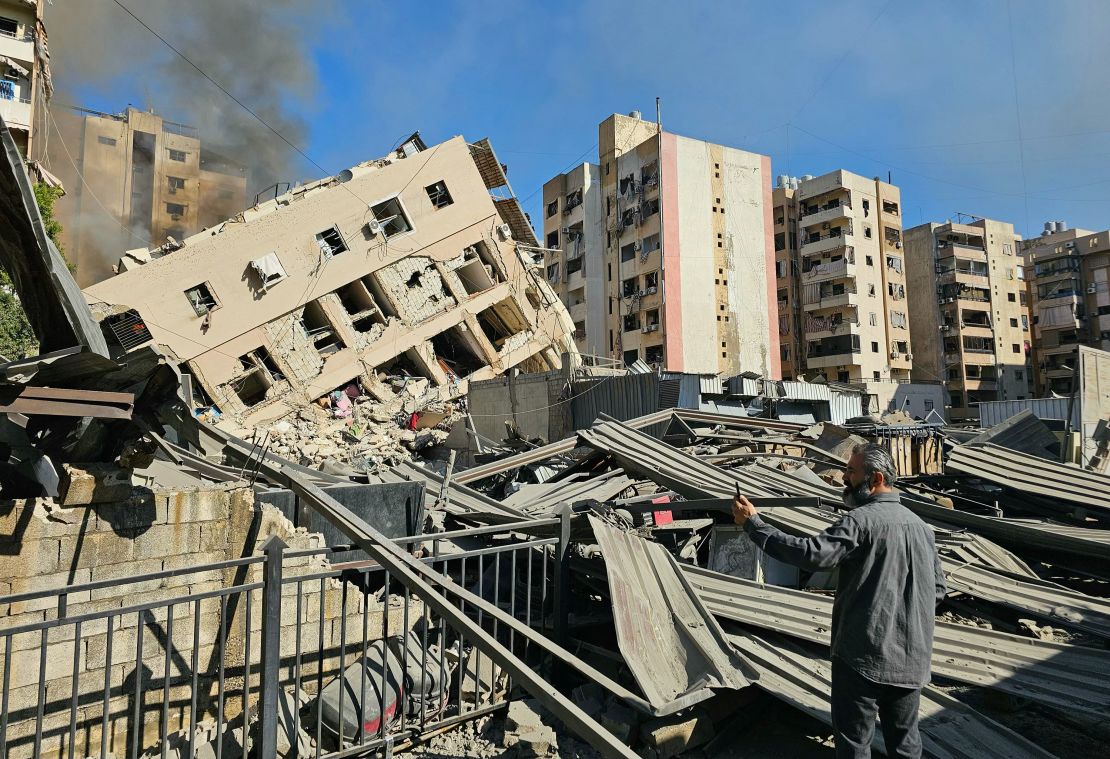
1071	485
950	729
673	646
539	500
1057	674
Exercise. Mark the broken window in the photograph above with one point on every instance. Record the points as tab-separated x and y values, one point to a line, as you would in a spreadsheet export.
573	265
331	242
653	354
201	299
628	217
389	218
319	329
650	245
553	240
553	273
8	27
892	235
475	276
129	329
175	183
889	206
552	208
269	270
651	281
175	210
360	306
630	356
438	194
650	208
629	287
649	174
177	155
573	200
501	321
780	241
631	322
457	351
895	263
628	252
651	320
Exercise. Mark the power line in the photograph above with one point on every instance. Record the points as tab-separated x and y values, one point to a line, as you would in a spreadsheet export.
1017	111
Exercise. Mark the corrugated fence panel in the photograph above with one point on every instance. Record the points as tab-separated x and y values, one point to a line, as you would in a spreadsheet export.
996	412
621	397
845	406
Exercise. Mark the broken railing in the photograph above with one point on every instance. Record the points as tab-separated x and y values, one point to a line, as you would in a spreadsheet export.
327	658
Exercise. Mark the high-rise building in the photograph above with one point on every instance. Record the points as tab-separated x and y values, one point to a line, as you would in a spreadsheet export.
142	179
841	282
1068	273
662	251
970	324
25	85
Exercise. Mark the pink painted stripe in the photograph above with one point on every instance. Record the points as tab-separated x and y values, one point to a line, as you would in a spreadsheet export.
672	278
774	361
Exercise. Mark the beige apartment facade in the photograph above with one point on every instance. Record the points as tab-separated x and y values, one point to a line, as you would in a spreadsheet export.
1068	274
399	273
841	300
25	84
142	180
970	323
662	251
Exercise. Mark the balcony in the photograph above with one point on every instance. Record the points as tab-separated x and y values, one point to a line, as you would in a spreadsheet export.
834	359
979	356
820	244
963	276
845	267
16	113
833	300
21	49
825	213
818	331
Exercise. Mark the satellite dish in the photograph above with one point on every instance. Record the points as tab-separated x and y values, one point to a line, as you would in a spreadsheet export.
345	176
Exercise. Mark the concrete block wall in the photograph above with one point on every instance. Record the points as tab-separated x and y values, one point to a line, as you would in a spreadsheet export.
43	545
425	298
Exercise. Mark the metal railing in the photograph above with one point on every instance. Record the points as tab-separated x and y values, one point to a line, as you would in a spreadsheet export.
139	677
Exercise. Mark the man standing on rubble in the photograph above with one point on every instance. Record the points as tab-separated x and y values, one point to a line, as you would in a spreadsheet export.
890	583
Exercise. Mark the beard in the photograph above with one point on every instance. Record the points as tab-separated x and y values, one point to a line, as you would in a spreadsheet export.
859	495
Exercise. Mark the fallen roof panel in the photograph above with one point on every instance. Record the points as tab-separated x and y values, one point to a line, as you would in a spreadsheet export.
1057	674
671	643
949	728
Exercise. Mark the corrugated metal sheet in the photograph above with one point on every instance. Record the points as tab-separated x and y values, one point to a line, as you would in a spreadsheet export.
950	729
996	412
805	391
670	642
1070	486
845	406
749	386
1023	432
711	385
621	397
639	366
669	392
1057	674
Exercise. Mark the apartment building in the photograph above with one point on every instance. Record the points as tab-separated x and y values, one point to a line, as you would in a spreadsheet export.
1068	276
25	84
142	180
840	279
404	274
970	327
662	251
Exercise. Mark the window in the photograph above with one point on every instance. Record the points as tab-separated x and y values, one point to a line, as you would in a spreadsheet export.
175	184
871	290
869	261
867	234
573	265
890	207
201	299
1016	347
8	27
628	252
553	239
780	269
553	273
389	218
331	242
1019	375
177	155
780	241
875	375
866	208
552	208
894	263
438	194
650	208
651	280
1010	297
573	200
269	270
873	319
631	323
175	210
630	287
651	244
1025	323
110	141
1013	322
874	347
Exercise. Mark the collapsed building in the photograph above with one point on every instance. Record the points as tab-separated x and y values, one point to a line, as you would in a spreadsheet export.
406	276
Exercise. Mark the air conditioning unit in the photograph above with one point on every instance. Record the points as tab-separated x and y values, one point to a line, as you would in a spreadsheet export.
898	244
638	245
1092	289
651	291
649	328
909	357
175	216
894	354
374	227
505	231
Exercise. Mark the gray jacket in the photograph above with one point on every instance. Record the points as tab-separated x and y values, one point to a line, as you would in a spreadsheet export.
889	586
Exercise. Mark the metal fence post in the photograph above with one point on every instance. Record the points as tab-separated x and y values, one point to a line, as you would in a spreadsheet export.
274	548
562	576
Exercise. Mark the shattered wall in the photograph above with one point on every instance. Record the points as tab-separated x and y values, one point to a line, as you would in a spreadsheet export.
45	545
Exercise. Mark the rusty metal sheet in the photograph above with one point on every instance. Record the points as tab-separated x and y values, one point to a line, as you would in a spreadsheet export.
48	401
669	640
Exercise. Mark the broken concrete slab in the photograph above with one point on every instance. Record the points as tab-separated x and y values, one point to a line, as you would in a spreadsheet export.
84	484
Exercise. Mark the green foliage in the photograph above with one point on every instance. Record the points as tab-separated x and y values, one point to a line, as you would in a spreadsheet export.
17	339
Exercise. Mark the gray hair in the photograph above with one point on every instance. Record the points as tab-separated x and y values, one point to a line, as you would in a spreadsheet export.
877	459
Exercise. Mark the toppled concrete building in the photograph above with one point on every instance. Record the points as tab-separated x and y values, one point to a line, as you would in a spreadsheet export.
403	274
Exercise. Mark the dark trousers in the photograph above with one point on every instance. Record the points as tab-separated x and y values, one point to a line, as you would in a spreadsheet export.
855	703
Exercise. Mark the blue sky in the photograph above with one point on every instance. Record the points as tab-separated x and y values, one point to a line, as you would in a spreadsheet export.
987	107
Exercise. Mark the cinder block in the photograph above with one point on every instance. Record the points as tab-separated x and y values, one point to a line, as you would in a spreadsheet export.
82	484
